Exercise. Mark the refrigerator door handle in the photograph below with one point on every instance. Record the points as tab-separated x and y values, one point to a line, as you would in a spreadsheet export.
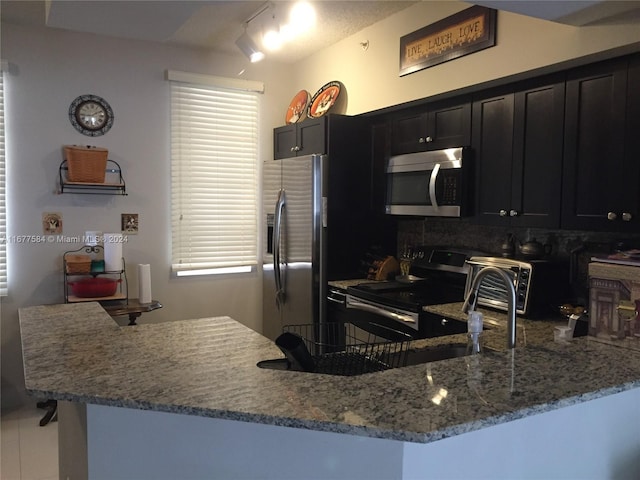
277	226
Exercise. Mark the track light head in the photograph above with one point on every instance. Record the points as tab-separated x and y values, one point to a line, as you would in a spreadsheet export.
249	48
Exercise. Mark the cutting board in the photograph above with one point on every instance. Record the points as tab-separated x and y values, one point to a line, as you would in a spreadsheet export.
384	269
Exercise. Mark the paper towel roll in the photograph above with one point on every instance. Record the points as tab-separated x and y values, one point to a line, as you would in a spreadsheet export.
113	252
144	283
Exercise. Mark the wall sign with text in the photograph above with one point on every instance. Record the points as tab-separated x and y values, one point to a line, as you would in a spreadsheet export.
465	32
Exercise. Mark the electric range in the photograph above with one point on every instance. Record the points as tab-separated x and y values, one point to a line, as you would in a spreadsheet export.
438	275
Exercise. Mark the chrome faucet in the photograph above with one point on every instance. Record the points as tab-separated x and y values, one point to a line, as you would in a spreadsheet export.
472	298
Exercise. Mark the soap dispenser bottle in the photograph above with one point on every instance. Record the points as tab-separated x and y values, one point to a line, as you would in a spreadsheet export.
474	333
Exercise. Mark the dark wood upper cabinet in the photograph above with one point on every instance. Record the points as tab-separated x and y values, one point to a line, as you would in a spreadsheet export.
432	128
380	154
600	174
492	143
556	151
517	138
631	192
299	139
537	153
284	141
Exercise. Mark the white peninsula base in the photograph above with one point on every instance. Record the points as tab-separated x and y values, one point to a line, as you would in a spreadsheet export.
597	439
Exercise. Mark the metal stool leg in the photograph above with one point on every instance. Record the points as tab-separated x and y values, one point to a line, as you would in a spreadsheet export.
51	406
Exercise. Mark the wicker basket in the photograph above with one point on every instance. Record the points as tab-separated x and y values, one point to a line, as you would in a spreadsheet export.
86	164
78	263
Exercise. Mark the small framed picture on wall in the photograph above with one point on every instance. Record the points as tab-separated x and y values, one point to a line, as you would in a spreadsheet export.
130	223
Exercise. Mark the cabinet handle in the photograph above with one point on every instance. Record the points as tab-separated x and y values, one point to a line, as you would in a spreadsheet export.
297	148
293	149
513	213
428	139
627	217
611	216
421	140
444	322
502	213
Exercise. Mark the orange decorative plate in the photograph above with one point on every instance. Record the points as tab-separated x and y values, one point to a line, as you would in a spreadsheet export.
297	108
324	99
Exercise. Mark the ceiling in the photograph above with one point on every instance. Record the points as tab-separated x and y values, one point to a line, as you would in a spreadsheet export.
215	25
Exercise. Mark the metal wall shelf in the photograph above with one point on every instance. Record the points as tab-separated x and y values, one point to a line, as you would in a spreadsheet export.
114	186
96	252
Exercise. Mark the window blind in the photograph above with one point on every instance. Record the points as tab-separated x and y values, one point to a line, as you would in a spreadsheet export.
3	210
214	177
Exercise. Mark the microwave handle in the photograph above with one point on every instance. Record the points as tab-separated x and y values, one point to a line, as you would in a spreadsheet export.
432	185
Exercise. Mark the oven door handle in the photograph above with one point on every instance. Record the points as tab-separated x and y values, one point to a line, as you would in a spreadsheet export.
432	185
351	303
335	300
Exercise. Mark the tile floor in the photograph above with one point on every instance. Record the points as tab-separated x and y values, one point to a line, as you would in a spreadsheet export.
29	451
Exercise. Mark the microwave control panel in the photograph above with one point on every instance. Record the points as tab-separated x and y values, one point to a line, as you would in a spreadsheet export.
522	287
448	188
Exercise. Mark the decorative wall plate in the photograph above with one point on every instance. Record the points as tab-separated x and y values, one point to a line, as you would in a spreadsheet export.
324	99
91	115
297	110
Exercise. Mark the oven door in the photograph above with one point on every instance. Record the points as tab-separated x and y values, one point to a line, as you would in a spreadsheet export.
397	315
367	314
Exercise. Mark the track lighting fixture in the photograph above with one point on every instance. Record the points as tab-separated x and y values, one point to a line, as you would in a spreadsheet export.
301	20
249	48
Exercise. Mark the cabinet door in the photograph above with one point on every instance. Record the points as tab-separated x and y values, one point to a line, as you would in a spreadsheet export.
284	141
443	126
493	146
450	126
380	154
384	228
440	326
630	204
311	136
409	134
537	155
593	171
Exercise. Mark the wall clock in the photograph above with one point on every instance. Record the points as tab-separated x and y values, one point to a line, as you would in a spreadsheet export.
91	115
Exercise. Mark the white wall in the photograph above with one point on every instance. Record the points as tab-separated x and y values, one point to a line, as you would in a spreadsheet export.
523	43
48	69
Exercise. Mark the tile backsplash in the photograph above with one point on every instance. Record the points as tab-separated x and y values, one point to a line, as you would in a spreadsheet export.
576	247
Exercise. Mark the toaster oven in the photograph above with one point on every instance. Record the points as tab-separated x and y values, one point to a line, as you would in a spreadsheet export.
539	284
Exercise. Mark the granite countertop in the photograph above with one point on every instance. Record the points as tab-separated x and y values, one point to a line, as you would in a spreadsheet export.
207	367
344	284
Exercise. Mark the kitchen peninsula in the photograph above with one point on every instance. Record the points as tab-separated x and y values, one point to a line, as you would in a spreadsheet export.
185	399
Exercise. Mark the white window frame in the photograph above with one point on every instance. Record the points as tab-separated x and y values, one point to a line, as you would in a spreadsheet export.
214	174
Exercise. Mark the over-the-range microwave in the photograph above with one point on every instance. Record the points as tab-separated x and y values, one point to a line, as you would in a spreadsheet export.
436	183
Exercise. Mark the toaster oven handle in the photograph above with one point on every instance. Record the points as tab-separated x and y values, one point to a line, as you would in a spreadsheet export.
432	185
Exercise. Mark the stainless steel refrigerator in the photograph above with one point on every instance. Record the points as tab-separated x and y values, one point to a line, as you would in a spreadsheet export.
294	236
329	216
